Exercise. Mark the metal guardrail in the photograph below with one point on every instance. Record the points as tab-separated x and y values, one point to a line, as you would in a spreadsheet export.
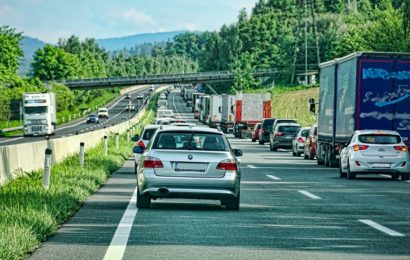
201	77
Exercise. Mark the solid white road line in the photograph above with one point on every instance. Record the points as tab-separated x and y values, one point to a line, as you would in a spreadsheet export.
10	140
381	228
288	168
119	241
276	182
408	181
310	195
273	177
251	166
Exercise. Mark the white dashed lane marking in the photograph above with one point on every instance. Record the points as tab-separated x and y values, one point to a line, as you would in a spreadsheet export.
381	228
310	195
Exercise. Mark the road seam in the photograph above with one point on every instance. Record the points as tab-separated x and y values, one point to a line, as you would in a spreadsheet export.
119	241
381	228
273	177
310	195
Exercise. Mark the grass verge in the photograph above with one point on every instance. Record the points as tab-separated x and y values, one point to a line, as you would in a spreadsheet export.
29	214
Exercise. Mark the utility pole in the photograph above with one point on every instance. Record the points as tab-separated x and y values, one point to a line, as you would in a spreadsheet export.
306	47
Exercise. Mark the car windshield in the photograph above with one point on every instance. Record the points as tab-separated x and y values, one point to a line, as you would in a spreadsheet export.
92	115
102	110
148	133
35	110
290	129
379	139
190	141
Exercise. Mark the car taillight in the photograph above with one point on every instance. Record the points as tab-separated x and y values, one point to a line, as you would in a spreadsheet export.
360	147
300	140
141	144
152	162
227	165
401	148
278	134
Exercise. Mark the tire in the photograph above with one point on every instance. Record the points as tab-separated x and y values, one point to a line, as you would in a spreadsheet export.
135	169
332	162
326	160
305	156
232	204
270	146
311	156
405	176
261	142
293	151
350	175
274	148
143	201
253	140
341	173
395	176
298	154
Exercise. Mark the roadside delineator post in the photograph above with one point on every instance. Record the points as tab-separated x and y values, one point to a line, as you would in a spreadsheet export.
47	168
82	154
117	141
105	145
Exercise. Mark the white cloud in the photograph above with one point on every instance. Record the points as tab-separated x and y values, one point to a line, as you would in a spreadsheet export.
137	17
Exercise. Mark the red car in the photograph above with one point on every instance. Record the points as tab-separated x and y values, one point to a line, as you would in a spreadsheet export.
311	143
255	132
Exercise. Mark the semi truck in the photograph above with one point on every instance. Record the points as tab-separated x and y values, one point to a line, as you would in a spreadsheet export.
204	108
250	109
228	113
363	90
39	113
215	111
195	104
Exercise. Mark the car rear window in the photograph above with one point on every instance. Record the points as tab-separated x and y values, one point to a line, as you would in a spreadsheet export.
379	139
148	133
267	123
190	141
289	129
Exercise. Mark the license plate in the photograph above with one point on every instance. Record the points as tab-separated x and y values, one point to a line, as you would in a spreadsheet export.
381	165
190	167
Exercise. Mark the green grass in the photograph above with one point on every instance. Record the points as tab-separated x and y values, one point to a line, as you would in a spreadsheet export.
9	124
11	133
29	214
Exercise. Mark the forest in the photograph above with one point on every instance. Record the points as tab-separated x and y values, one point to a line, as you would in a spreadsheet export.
273	35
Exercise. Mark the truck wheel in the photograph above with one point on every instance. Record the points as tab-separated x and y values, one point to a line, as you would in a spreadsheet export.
261	142
143	201
350	175
253	140
332	160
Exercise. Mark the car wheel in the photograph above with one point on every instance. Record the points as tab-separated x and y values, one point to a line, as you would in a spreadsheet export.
135	169
274	148
293	151
298	154
341	173
395	176
253	140
260	142
405	176
270	146
305	156
143	201
350	175
232	204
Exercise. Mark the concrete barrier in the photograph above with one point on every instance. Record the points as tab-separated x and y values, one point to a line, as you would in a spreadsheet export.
15	160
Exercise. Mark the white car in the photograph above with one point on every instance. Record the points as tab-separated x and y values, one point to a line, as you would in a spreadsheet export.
103	112
147	133
298	143
375	151
164	113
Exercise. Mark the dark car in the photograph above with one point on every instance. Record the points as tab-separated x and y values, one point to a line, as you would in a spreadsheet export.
93	119
266	129
311	143
239	129
255	132
283	135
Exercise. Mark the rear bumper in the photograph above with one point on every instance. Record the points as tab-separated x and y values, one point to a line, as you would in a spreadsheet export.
188	187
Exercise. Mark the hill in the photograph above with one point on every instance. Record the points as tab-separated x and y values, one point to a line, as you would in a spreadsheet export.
113	44
29	46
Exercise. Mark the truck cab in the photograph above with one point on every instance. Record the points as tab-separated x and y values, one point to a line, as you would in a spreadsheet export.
39	113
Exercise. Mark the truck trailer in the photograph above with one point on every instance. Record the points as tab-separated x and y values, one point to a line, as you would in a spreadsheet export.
215	111
250	109
228	113
39	113
363	90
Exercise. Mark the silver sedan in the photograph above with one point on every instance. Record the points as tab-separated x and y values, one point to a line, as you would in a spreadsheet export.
375	151
188	162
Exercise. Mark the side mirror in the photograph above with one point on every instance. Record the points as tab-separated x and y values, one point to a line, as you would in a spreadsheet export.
237	152
138	149
135	138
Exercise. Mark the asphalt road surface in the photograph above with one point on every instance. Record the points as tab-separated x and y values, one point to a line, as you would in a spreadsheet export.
290	208
116	110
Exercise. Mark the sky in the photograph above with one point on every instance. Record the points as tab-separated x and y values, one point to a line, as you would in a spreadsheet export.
49	20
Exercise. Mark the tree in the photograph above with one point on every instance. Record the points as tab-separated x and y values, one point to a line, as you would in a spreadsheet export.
10	52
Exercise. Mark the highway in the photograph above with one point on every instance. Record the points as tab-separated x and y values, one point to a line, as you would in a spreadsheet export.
117	112
290	209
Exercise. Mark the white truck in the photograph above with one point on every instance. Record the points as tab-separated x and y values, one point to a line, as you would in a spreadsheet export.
215	111
228	113
39	113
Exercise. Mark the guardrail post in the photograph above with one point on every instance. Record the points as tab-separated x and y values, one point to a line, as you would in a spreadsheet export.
82	154
105	145
47	168
128	135
117	141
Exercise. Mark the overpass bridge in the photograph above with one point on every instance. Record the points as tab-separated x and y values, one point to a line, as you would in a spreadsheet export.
200	77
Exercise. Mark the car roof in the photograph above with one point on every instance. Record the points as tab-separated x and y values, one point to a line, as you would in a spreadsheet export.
288	124
171	128
151	127
377	131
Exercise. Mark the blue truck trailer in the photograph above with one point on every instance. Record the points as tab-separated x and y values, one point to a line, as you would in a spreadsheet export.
363	90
